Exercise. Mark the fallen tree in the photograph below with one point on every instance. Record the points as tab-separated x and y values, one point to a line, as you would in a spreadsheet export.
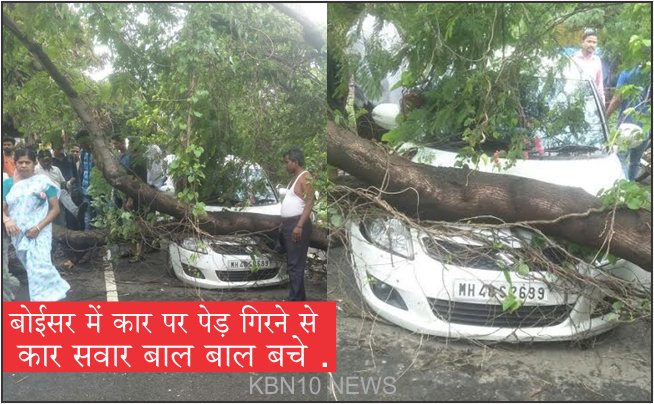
242	224
221	223
429	193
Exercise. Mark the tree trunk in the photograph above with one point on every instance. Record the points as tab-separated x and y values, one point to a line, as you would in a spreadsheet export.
312	34
451	194
80	240
222	223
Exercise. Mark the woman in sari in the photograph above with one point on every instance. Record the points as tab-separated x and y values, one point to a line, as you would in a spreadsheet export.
30	204
10	283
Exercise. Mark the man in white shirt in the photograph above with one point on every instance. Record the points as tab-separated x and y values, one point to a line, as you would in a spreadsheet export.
156	175
296	222
46	168
589	63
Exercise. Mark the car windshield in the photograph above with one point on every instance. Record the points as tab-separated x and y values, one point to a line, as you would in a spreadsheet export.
555	116
232	183
241	185
561	113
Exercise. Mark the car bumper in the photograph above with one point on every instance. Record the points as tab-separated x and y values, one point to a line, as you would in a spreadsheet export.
424	285
215	271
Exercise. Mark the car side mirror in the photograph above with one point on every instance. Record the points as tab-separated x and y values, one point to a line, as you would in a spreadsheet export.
281	191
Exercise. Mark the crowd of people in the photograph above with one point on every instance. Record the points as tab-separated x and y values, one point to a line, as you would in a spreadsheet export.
42	187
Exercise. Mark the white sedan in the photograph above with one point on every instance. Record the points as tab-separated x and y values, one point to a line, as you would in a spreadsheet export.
451	285
233	262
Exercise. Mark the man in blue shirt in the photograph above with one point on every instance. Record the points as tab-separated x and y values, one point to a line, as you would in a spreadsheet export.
85	167
641	104
124	157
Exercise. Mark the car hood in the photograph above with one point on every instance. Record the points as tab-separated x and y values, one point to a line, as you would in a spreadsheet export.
272	210
591	173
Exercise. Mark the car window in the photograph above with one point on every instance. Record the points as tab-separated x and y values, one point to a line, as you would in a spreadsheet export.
562	113
240	184
554	116
233	183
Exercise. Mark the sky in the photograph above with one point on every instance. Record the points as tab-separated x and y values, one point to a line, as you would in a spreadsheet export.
315	12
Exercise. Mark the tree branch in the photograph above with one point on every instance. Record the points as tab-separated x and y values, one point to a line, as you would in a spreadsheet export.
453	194
216	223
312	34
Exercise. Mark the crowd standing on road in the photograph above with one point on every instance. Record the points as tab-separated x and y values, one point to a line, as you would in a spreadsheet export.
35	184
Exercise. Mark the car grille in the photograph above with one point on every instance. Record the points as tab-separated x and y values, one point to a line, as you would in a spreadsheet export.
247	276
488	315
241	249
228	249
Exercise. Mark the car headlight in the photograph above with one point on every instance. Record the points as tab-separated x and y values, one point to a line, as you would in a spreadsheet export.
196	245
389	234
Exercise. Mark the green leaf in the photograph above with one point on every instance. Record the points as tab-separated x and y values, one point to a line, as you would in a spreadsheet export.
633	204
510	303
523	269
198	114
617	306
507	276
197	152
336	220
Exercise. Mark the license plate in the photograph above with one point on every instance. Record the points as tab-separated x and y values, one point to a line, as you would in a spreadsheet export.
248	264
480	291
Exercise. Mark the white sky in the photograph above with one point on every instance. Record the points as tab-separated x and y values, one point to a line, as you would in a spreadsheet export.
316	12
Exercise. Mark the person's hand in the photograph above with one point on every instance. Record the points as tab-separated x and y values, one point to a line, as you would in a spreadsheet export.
33	232
130	203
72	181
297	234
12	228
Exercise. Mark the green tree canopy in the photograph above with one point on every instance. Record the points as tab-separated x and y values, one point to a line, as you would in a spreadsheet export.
229	79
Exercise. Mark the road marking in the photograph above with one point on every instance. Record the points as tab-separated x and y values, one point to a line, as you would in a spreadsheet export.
110	279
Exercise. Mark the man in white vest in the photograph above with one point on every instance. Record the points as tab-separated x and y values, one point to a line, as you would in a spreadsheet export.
296	223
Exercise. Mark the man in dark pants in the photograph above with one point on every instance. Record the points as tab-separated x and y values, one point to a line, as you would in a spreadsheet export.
296	224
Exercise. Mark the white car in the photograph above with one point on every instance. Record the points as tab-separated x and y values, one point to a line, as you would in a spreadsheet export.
230	262
451	286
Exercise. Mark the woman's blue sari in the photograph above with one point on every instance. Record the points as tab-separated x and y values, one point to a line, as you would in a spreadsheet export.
27	210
